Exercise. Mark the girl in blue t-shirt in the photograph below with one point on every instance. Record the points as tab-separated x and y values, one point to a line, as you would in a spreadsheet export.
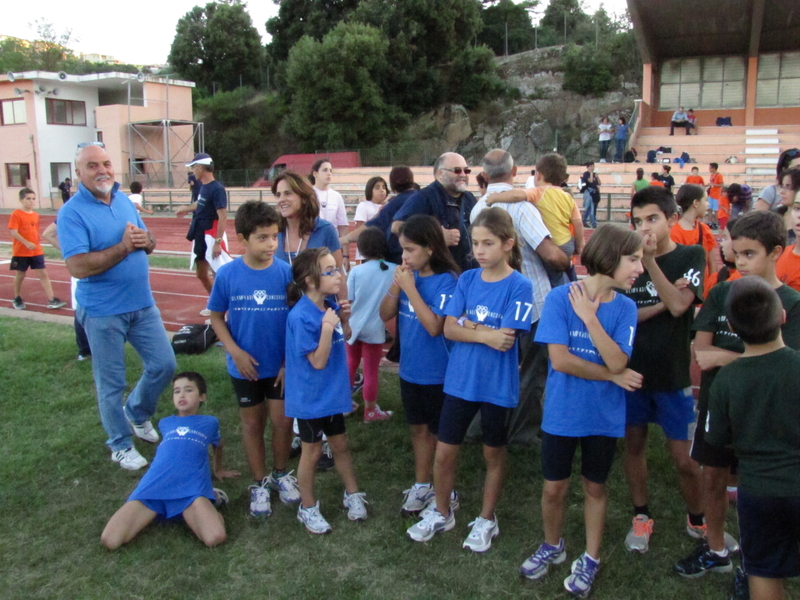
489	307
366	285
421	289
317	388
589	330
178	483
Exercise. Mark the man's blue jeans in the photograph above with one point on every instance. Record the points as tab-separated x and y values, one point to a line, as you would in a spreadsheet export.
107	336
589	217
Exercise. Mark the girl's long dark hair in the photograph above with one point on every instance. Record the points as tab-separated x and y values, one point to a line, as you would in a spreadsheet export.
425	231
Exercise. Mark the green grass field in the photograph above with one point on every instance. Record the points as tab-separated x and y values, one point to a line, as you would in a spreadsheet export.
160	261
58	488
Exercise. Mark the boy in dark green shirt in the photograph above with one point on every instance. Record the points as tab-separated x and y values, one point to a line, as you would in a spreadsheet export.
754	406
665	295
758	240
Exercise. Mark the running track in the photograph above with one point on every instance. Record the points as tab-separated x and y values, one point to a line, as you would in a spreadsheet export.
179	294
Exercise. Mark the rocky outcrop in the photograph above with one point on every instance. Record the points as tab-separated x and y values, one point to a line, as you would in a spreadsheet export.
544	117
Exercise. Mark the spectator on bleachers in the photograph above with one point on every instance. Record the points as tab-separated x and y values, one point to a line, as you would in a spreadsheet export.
620	139
531	183
692	121
666	178
655	179
695	178
640	183
681	119
604	131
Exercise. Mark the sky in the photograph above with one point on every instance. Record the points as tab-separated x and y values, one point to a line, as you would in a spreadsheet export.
141	32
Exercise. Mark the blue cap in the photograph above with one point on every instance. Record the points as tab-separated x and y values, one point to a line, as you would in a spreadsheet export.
200	159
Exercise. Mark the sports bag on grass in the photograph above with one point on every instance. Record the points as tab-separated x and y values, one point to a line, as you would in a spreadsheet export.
193	339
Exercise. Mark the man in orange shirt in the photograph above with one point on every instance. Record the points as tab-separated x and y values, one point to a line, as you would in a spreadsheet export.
715	199
26	252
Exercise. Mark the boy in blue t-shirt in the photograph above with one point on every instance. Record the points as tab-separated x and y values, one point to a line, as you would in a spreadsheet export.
252	291
178	483
754	407
665	295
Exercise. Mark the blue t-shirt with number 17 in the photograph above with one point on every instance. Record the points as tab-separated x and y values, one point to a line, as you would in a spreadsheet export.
573	406
477	372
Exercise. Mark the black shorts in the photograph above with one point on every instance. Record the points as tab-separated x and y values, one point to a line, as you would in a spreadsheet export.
597	456
457	414
200	247
769	529
252	393
23	263
311	430
422	404
706	454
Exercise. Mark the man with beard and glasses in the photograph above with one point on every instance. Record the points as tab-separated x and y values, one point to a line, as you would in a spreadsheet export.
105	245
448	200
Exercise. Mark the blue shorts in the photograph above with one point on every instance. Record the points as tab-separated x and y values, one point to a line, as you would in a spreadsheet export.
769	529
673	411
457	414
168	509
713	204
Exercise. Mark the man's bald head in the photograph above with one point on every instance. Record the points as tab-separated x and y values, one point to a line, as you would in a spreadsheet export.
95	171
498	165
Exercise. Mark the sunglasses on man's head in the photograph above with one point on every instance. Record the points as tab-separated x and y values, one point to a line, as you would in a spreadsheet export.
84	144
458	170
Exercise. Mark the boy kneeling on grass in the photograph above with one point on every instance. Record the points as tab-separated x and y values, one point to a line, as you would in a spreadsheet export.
178	483
755	408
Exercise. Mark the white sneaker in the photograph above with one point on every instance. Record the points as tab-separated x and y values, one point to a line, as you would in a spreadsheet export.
417	498
432	523
286	486
638	538
480	538
144	431
313	519
259	500
220	499
129	459
355	505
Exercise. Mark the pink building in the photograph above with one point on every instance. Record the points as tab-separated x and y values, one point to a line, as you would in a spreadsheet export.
145	123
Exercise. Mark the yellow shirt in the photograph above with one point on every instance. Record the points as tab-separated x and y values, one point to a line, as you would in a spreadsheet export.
557	208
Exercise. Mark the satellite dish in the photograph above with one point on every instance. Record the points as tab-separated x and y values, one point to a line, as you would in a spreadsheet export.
11	77
62	75
140	77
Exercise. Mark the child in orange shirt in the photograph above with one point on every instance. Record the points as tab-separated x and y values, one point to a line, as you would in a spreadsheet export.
690	230
728	272
654	179
695	177
788	267
26	252
715	201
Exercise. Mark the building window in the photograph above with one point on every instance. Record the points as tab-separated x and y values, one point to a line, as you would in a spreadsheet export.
13	112
778	80
707	82
65	112
17	174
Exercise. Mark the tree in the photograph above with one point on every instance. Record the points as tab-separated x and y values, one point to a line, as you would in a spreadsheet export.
424	40
297	18
15	55
516	17
587	71
51	48
218	45
336	101
473	77
552	28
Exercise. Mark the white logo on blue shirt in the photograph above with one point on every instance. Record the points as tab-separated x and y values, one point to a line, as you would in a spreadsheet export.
481	312
259	296
182	430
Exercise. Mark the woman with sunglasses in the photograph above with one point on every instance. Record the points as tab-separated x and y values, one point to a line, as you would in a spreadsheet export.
770	196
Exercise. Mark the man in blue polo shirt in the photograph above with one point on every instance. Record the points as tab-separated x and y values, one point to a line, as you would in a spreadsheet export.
105	245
